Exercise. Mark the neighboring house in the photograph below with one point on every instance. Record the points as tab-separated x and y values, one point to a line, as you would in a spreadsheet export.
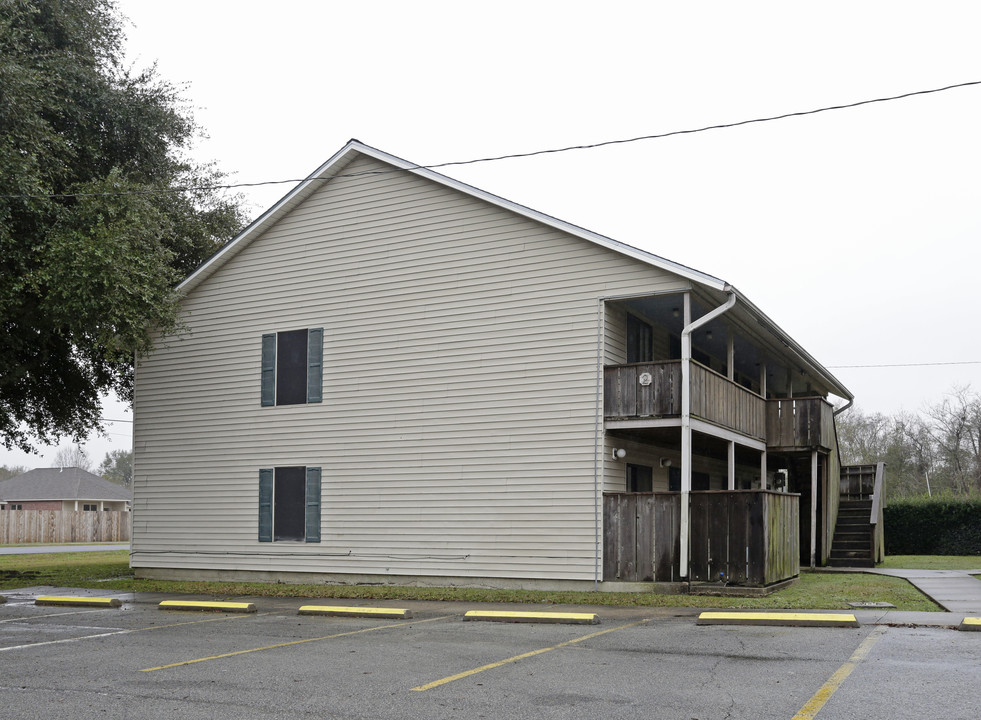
393	376
62	489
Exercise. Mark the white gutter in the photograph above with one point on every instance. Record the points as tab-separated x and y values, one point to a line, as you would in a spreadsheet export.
690	327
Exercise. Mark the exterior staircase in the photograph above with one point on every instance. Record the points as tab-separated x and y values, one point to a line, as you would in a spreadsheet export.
852	545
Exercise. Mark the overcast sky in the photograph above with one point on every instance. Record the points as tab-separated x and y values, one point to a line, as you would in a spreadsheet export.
855	230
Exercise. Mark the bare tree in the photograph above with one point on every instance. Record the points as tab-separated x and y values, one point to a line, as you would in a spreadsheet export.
12	471
73	456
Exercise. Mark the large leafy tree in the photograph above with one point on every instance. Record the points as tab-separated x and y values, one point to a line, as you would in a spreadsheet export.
101	213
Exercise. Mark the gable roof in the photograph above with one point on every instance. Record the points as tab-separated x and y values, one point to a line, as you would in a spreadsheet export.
334	167
61	484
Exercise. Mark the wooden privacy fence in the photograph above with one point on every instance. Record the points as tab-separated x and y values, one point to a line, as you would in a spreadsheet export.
751	537
63	526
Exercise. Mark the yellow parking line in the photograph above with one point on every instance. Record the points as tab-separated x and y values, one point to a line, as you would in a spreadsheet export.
824	694
294	642
499	663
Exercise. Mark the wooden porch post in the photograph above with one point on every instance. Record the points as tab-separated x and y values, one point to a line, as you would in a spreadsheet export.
730	356
814	501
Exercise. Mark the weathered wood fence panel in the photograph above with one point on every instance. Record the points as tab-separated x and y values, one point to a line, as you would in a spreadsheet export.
749	537
800	423
640	537
63	526
719	400
626	397
857	482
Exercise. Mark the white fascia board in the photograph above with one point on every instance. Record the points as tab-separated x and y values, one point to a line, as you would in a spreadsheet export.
344	155
256	227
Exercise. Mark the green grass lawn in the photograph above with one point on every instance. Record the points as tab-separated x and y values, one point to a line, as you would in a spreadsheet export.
932	562
110	570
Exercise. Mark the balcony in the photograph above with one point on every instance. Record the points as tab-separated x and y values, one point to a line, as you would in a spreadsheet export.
653	390
797	423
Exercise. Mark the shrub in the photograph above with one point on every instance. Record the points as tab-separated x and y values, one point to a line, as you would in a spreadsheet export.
933	526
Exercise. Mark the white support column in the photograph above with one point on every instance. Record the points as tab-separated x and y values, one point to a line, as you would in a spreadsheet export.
763	454
686	439
683	528
732	465
814	502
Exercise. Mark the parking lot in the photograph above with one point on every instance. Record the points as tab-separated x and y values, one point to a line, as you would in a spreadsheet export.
139	661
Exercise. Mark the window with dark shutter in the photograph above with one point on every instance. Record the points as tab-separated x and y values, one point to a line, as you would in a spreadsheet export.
292	367
289	504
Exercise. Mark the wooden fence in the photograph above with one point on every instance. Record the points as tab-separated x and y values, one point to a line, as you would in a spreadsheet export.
751	537
63	526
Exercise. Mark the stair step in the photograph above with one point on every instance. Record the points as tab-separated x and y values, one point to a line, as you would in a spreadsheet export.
850	562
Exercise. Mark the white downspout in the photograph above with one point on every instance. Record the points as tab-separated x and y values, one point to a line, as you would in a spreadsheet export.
690	327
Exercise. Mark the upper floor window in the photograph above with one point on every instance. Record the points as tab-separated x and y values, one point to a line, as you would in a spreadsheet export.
640	340
292	367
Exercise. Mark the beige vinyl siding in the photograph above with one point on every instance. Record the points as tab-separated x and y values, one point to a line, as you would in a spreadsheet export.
456	432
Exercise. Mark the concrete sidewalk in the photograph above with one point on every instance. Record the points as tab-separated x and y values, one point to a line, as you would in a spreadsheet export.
953	590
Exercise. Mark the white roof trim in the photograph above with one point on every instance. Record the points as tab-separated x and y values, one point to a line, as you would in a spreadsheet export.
345	155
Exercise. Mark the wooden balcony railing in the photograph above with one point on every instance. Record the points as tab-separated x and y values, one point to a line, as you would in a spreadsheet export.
800	423
644	390
719	400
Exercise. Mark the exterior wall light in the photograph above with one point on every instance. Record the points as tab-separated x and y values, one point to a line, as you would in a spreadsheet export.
619	453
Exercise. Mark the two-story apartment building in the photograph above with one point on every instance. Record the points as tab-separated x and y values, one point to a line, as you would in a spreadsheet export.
393	376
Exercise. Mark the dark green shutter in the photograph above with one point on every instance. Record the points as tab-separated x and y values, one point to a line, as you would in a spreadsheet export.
265	504
315	365
313	504
268	394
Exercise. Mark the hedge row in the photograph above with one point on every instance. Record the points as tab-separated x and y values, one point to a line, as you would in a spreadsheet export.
939	526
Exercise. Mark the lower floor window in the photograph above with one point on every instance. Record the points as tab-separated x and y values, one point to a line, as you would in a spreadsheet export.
91	507
17	506
289	504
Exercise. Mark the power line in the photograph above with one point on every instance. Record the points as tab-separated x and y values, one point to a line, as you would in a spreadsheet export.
894	365
511	156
